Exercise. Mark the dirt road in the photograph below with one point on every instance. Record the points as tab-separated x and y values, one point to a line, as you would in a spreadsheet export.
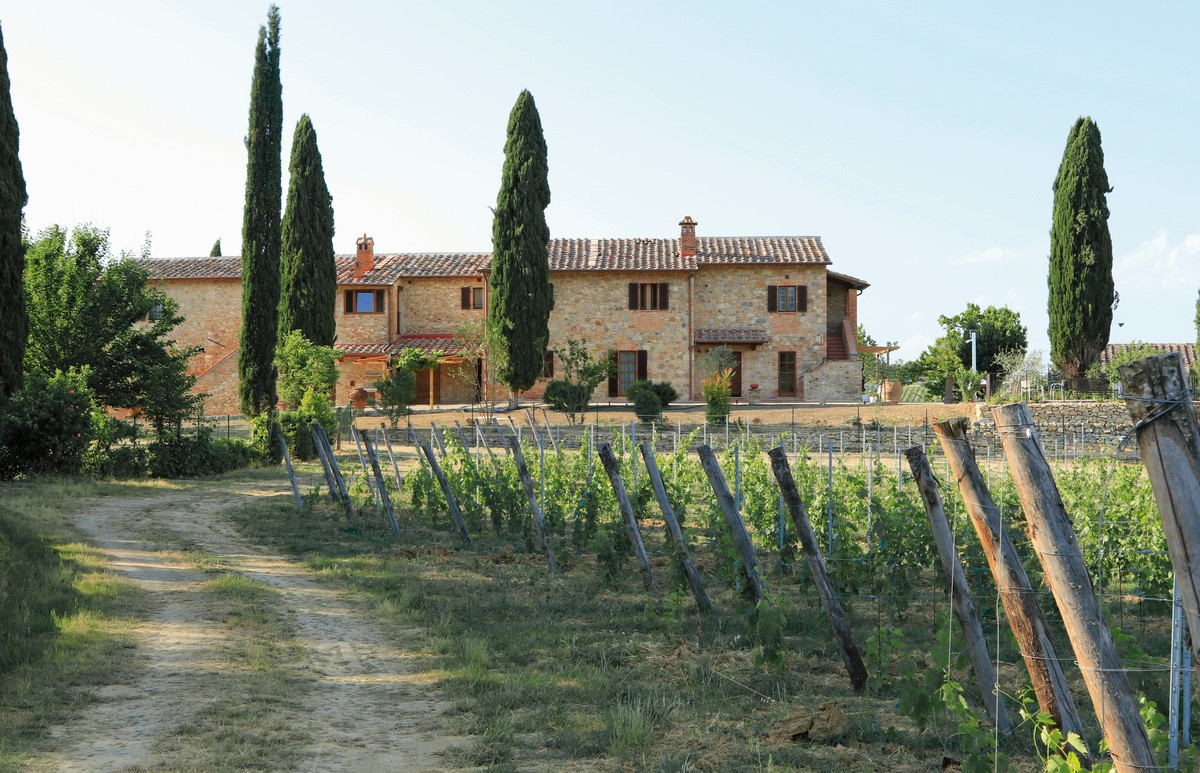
345	695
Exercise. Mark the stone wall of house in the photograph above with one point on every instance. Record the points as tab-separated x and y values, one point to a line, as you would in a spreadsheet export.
736	297
594	308
220	383
434	305
837	381
1090	418
212	318
354	373
374	327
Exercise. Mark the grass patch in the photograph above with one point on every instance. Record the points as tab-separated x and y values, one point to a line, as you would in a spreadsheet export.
65	620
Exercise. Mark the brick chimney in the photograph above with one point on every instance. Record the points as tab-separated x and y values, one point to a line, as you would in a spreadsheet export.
687	237
364	261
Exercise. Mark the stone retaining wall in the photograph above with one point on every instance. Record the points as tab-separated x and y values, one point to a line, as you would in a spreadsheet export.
1078	418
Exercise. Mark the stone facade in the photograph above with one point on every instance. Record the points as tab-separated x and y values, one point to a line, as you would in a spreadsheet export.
717	285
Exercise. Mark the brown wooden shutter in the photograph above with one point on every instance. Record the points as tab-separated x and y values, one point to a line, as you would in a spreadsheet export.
802	298
548	364
349	301
772	298
613	367
466	297
379	301
664	296
642	359
633	295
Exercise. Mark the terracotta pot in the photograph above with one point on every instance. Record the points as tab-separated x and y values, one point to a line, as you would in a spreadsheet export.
358	397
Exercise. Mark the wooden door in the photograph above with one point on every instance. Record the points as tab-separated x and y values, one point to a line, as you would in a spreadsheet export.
736	391
429	387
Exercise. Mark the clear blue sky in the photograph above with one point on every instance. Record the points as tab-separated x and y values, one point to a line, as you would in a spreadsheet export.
919	141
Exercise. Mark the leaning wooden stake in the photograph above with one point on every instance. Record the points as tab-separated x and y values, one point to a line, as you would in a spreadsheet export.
1157	394
538	520
1025	617
329	481
1067	575
379	486
960	597
737	527
287	460
484	442
451	502
550	432
337	472
362	460
829	599
387	441
668	511
613	468
437	437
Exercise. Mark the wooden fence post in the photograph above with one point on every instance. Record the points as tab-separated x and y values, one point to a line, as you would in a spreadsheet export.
287	460
539	520
1025	617
379	486
664	504
737	527
1067	575
960	597
829	599
329	481
613	468
451	502
337	472
1157	394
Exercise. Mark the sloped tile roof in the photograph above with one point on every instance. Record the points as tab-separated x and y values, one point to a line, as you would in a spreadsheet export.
1188	351
192	268
564	254
390	267
741	335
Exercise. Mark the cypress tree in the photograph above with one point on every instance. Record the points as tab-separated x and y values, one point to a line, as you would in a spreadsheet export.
215	252
1080	280
308	271
520	299
260	227
15	328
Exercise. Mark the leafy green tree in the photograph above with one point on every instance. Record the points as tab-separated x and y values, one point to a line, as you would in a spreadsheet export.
582	373
46	425
998	330
12	249
304	367
215	252
309	275
260	229
398	389
1080	278
520	299
90	313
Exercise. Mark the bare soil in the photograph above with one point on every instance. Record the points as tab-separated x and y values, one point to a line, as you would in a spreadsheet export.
370	705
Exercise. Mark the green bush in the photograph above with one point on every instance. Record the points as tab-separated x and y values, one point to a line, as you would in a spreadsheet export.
46	426
647	406
296	424
718	396
662	389
189	457
567	396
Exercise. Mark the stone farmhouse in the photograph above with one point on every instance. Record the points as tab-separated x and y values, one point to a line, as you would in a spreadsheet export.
655	306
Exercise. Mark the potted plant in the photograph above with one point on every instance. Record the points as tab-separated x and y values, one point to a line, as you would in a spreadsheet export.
754	394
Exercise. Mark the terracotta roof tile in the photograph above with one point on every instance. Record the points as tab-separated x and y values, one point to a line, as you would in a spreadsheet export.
393	266
192	268
1187	351
426	343
743	335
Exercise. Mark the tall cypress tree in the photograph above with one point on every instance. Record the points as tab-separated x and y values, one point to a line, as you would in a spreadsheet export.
15	328
1081	279
520	299
309	273
260	227
215	252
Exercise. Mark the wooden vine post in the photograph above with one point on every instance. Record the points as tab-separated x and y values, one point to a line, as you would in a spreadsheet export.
1025	617
387	441
384	497
451	502
1156	391
668	511
737	527
829	600
337	471
539	521
287	460
1067	575
329	481
960	597
613	468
